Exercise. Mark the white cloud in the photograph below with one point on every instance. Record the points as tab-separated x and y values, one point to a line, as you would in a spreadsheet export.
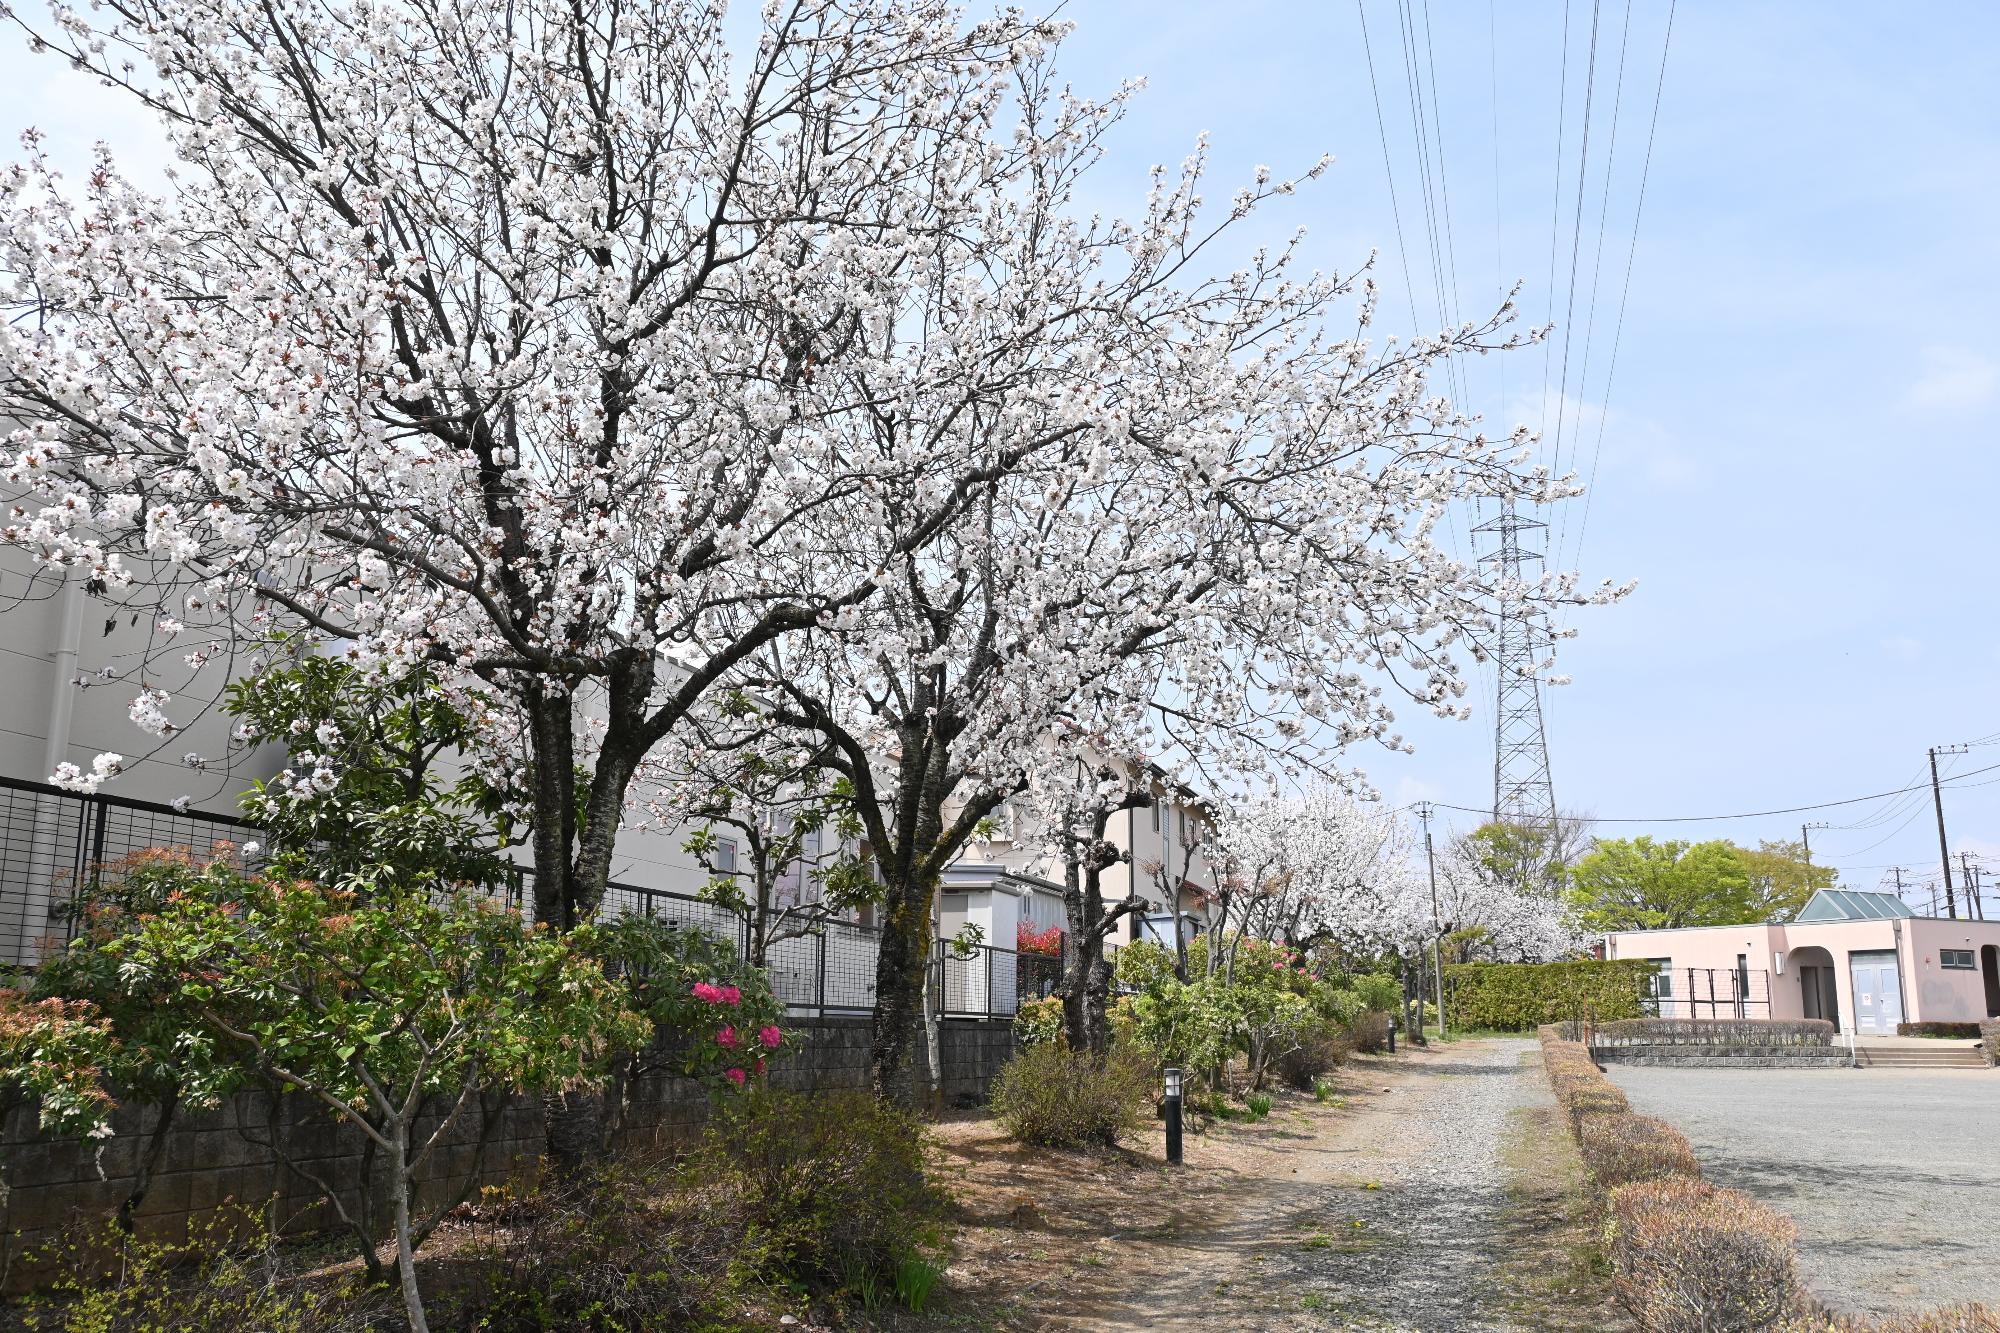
1954	379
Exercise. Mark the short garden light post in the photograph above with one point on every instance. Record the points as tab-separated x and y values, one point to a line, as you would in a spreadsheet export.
1173	1117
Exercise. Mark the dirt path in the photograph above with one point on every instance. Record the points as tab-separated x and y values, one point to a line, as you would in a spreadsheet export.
1432	1193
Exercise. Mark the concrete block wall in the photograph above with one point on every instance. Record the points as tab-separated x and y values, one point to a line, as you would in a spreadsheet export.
226	1155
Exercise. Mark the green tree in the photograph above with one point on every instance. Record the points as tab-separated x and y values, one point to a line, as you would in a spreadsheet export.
1640	884
1781	879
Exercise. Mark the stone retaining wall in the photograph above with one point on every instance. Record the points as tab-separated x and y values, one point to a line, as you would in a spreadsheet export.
214	1157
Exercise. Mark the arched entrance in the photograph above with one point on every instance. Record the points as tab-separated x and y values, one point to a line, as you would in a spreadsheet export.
1989	967
1819	991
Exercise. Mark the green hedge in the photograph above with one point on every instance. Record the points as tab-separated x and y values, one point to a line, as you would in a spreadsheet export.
1518	997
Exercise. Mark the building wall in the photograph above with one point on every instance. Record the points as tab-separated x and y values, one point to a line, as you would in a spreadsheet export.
1931	992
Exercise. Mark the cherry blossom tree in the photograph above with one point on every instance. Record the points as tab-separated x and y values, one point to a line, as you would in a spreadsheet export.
1320	866
524	340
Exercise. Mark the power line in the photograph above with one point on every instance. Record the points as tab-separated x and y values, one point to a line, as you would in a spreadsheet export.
1761	814
1576	230
1625	293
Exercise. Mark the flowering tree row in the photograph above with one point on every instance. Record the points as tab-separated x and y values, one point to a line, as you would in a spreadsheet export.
613	370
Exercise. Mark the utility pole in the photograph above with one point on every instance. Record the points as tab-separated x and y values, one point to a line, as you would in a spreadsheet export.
1437	931
1944	848
1897	871
1973	908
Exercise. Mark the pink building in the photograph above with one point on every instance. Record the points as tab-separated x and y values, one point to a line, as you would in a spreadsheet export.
1862	960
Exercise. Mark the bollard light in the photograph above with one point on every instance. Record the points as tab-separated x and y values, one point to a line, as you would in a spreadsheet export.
1392	1034
1173	1117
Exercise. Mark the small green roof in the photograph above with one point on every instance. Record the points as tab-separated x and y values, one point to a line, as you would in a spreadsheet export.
1852	905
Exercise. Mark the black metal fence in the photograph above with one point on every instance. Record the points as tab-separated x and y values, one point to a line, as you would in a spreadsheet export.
53	840
1710	992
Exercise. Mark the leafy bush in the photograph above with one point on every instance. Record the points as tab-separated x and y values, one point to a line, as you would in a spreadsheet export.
1259	1104
833	1189
1691	1258
214	1282
712	1015
629	1247
1515	997
1715	1032
1057	1098
57	1051
1968	1031
1378	991
1989	1040
1039	1022
1622	1149
1369	1033
1320	1051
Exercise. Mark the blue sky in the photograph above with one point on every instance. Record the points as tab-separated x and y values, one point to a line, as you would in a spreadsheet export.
1797	457
1795	453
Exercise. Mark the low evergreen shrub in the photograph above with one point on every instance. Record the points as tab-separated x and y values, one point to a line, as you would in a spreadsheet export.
1968	1031
1691	1258
1989	1038
1621	1149
1325	1049
1053	1097
1516	997
631	1246
1715	1032
1369	1033
829	1187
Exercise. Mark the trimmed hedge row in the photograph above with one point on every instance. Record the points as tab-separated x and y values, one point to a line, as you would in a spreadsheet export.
1516	997
1716	1032
1687	1256
1969	1031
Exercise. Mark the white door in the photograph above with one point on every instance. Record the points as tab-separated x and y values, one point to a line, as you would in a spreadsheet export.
1878	992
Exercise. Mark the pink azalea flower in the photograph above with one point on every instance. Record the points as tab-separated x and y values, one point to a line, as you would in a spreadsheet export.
760	1066
731	995
726	1038
770	1036
706	993
736	1077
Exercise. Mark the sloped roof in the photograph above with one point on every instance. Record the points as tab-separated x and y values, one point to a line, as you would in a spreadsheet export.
1852	905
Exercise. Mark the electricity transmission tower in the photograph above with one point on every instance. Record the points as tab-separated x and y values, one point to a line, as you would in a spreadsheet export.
1522	791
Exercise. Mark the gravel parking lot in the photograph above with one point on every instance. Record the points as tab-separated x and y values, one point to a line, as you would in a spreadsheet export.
1891	1174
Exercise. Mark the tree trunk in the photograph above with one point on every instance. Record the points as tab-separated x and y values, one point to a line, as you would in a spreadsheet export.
149	1161
898	1049
406	1255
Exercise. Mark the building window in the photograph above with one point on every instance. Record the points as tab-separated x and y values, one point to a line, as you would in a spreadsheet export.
1156	814
1956	958
725	856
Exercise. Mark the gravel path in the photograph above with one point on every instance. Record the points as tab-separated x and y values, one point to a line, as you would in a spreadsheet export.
1890	1174
1418	1252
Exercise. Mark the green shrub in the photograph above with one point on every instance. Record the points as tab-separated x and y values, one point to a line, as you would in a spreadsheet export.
1259	1104
830	1188
1057	1098
1714	1032
1622	1149
1515	997
1322	1050
1039	1022
1967	1031
1691	1258
223	1279
1378	991
630	1247
1989	1040
1369	1033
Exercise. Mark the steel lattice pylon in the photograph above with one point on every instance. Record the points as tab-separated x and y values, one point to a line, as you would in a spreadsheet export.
1522	791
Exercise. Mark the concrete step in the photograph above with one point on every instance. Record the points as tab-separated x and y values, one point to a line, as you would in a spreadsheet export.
1905	1058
